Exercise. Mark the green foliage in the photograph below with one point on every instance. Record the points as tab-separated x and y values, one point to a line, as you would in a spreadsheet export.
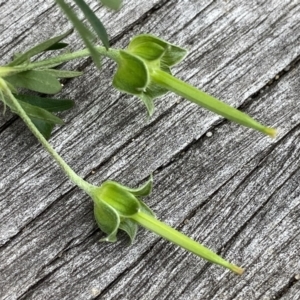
112	4
62	73
39	110
144	70
94	22
44	127
58	46
39	113
51	44
36	80
50	104
42	80
85	33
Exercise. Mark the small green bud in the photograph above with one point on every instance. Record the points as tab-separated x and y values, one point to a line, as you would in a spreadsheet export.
144	71
115	204
144	54
119	207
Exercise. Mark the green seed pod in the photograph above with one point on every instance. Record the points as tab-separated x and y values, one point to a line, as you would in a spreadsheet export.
144	71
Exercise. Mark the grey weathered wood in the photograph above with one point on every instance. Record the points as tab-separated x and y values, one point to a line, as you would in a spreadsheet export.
237	191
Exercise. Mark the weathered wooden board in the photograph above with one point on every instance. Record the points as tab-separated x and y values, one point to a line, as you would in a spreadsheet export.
236	191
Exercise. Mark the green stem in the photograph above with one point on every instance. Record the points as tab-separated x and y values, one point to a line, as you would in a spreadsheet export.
191	93
65	167
183	241
111	53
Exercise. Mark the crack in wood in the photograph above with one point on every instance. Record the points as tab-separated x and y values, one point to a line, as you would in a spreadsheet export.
42	212
58	257
140	258
8	123
268	153
285	161
32	287
220	122
278	295
273	82
222	251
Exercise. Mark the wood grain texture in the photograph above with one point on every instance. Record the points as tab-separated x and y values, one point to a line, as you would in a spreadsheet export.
235	191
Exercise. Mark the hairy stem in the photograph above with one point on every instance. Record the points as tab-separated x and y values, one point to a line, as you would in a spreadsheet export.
50	62
65	167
